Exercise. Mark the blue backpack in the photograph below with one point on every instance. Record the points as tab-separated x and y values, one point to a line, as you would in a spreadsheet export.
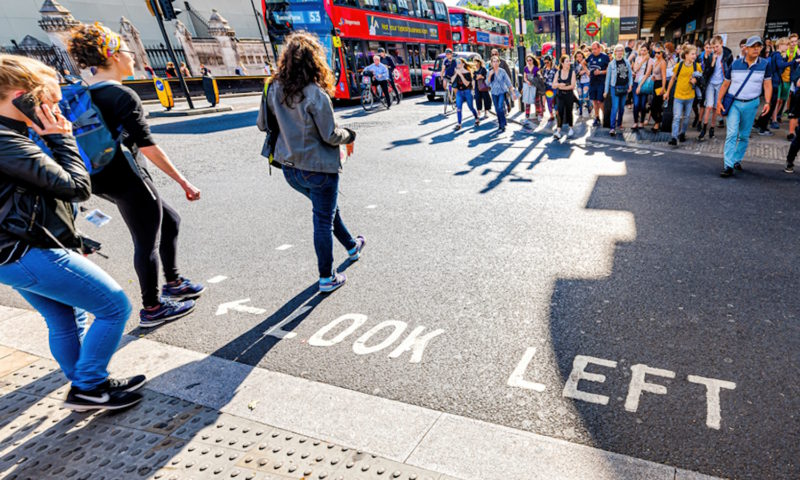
96	143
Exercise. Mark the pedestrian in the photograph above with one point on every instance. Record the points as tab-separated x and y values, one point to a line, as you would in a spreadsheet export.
619	82
153	224
672	59
778	62
549	75
683	81
714	67
744	81
501	86
658	76
170	70
794	103
204	71
463	84
565	84
784	82
598	68
391	65
504	66
582	74
483	97
528	87
240	70
643	70
185	70
742	49
37	259
148	70
308	145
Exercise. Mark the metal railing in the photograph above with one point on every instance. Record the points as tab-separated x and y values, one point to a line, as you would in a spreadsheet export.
158	56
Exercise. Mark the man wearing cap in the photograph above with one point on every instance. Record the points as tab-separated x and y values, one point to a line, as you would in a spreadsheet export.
744	81
448	69
389	62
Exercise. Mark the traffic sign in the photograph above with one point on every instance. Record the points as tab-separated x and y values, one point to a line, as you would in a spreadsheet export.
592	29
578	8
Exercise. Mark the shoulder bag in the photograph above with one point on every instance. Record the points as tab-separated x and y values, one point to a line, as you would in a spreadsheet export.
728	99
267	122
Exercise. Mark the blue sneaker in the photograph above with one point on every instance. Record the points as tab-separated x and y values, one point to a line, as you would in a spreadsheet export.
355	252
167	311
184	290
327	285
775	125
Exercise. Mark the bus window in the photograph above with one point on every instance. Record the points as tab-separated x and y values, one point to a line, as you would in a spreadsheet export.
397	51
426	8
388	6
457	19
347	3
371	4
473	21
440	11
402	7
432	51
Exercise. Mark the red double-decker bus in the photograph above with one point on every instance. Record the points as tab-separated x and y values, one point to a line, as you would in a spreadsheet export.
411	31
479	32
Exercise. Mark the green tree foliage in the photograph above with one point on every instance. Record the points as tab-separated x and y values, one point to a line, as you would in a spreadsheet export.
609	27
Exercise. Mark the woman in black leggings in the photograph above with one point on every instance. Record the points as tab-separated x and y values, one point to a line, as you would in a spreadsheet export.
564	83
126	182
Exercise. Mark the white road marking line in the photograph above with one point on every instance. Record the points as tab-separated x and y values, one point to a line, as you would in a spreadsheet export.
372	206
427	181
403	192
285	246
238	306
217	279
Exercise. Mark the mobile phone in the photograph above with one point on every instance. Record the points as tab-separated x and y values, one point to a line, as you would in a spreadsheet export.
28	104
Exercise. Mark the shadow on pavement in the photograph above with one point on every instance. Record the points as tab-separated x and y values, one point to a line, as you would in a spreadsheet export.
706	293
217	123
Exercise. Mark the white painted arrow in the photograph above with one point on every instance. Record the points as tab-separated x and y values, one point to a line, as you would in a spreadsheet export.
238	306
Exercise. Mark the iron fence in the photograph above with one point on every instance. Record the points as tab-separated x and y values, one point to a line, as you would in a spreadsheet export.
49	55
158	56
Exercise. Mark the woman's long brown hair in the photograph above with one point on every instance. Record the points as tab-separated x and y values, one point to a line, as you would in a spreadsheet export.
301	63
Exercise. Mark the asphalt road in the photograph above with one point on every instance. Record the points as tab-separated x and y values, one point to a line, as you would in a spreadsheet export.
524	255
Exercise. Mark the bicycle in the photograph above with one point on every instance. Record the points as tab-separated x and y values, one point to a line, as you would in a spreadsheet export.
449	98
369	92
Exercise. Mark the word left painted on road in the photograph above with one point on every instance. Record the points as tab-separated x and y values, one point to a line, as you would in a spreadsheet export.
637	386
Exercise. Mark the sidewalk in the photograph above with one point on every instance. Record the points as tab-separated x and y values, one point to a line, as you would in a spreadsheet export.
208	418
760	149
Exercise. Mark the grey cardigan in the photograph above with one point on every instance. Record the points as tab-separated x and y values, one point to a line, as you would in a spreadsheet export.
309	138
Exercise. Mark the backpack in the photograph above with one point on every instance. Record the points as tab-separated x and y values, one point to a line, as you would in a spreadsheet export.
96	143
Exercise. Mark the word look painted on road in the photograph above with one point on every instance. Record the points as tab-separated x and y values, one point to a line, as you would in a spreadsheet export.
638	384
415	342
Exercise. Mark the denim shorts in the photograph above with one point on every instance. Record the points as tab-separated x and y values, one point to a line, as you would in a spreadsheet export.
596	91
712	95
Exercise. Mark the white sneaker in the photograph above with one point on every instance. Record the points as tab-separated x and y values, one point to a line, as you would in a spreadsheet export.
557	133
571	133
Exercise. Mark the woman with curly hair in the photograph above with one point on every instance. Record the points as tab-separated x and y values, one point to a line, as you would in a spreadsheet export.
126	182
308	146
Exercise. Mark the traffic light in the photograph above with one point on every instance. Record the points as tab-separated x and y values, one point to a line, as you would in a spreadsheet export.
170	13
539	25
578	8
530	9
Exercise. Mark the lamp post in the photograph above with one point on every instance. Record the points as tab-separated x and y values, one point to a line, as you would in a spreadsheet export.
259	18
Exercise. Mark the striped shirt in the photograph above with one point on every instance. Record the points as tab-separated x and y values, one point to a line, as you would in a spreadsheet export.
738	73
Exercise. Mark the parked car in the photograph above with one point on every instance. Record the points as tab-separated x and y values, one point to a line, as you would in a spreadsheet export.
433	84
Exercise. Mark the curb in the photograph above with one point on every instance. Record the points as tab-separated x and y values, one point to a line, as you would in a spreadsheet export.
452	445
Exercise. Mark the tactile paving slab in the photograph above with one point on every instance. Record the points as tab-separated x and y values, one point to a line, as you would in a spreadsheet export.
162	438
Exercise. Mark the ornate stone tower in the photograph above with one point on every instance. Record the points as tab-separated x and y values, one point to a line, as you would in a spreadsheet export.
219	29
57	22
132	38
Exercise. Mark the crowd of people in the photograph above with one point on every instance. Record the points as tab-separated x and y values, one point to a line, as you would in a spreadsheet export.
667	87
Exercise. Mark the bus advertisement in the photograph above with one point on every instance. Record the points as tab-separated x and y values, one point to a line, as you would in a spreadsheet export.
352	31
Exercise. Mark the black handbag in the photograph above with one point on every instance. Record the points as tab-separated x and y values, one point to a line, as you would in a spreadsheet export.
621	90
38	220
668	115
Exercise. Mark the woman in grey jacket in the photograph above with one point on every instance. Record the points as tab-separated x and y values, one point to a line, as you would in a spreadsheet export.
308	146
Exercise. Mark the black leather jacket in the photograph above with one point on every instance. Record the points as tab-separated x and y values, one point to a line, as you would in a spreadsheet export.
27	172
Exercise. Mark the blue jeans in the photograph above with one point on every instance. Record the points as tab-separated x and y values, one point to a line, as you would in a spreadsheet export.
500	109
322	189
617	109
63	286
681	110
739	123
461	97
639	105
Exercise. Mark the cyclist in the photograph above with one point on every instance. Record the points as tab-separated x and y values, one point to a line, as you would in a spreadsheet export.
380	73
448	69
389	62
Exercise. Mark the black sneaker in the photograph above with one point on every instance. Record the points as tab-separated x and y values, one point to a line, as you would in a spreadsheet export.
673	141
682	137
789	168
738	166
703	132
726	172
790	137
129	384
100	398
711	132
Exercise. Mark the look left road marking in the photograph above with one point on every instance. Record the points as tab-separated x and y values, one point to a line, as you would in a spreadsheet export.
239	306
285	246
217	279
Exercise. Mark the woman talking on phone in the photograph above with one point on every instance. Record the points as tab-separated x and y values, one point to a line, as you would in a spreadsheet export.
37	235
308	146
127	183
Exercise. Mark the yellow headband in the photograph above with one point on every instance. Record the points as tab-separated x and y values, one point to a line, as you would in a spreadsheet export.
109	40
